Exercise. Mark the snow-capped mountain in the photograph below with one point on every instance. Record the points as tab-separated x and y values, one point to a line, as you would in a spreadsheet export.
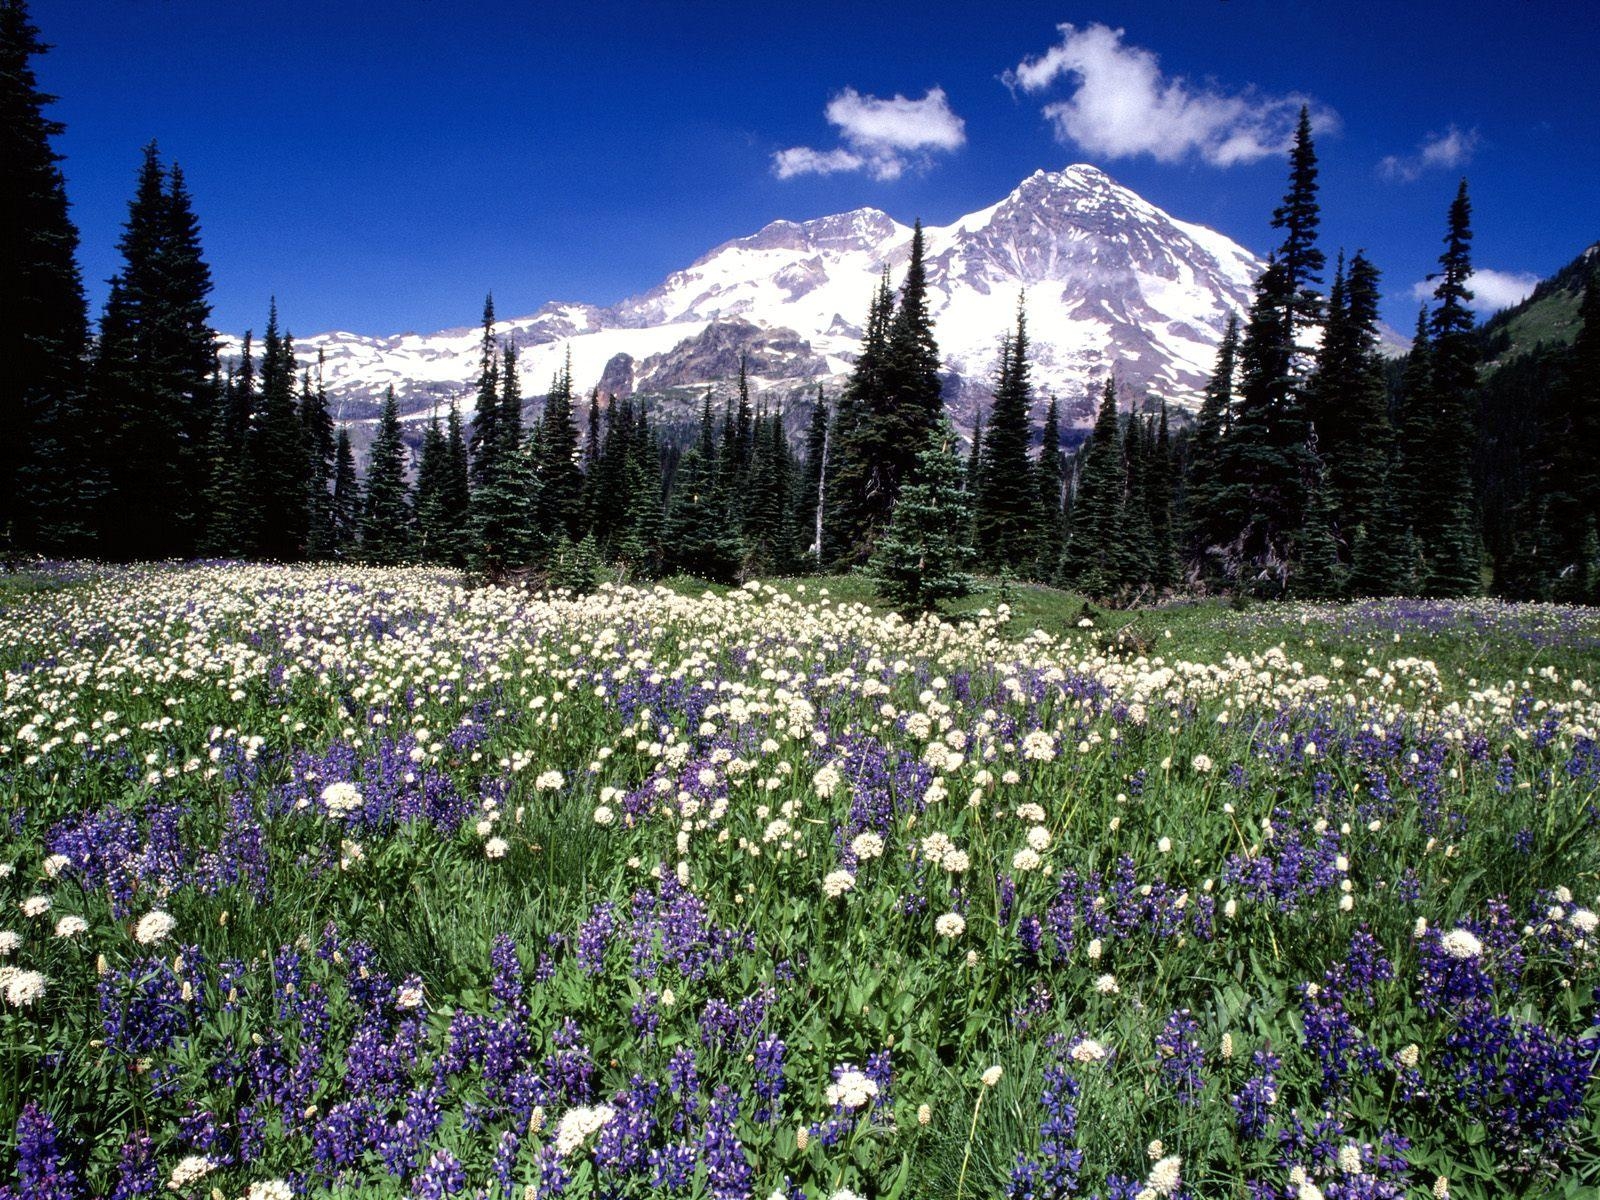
1114	286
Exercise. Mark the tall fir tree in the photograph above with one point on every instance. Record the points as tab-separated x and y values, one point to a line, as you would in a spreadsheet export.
1005	507
1571	446
559	510
1204	521
277	454
1446	516
913	397
386	518
348	502
1348	402
48	479
152	379
1051	474
486	441
316	433
230	515
435	543
923	556
1094	552
697	539
1161	491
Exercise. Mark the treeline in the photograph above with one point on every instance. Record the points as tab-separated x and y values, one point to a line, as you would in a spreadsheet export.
1313	467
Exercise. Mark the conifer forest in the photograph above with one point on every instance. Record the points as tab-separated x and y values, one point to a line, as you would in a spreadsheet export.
835	795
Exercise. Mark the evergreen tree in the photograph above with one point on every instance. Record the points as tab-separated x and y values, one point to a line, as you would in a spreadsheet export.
768	544
1162	487
1092	562
696	538
277	453
1410	414
486	440
559	509
1317	574
386	516
230	517
455	491
1571	439
347	499
316	432
1134	561
48	479
435	543
858	500
923	556
1299	260
913	402
1204	522
1006	504
639	531
1051	473
504	487
153	374
1347	400
1446	519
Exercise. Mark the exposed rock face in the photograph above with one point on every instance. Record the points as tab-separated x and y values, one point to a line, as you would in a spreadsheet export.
1114	286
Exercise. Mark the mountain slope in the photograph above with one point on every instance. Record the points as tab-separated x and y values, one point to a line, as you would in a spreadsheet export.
1113	284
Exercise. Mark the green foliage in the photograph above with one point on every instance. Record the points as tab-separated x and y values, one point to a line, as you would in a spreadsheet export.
386	519
1006	500
922	557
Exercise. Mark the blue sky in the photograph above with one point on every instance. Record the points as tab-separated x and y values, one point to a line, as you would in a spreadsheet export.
379	166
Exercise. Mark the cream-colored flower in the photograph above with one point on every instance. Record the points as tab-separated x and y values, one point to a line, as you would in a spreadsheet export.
155	926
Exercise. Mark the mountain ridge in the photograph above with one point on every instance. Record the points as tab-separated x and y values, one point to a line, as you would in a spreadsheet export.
1114	285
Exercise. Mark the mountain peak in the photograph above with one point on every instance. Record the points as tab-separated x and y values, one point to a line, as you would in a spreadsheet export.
1116	287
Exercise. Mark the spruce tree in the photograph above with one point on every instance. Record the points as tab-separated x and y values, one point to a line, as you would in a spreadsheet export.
858	500
456	492
48	479
697	539
1446	518
923	556
1299	260
1051	474
386	519
435	543
1135	545
1317	575
316	432
1571	438
912	391
230	516
347	498
1347	401
152	379
1006	504
1094	552
1204	521
1160	489
277	454
486	441
559	509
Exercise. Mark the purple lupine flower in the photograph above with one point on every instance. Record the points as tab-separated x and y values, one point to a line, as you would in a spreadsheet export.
43	1171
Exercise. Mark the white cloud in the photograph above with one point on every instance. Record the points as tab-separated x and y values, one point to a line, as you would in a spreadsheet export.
882	137
1438	151
1491	290
1123	105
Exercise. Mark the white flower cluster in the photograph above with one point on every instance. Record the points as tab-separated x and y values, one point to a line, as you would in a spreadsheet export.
852	1090
577	1124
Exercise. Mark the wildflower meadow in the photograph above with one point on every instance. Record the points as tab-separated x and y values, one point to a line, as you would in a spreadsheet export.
359	882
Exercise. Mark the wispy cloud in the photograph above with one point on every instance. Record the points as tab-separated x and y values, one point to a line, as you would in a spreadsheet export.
881	137
1124	106
1491	290
1437	152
